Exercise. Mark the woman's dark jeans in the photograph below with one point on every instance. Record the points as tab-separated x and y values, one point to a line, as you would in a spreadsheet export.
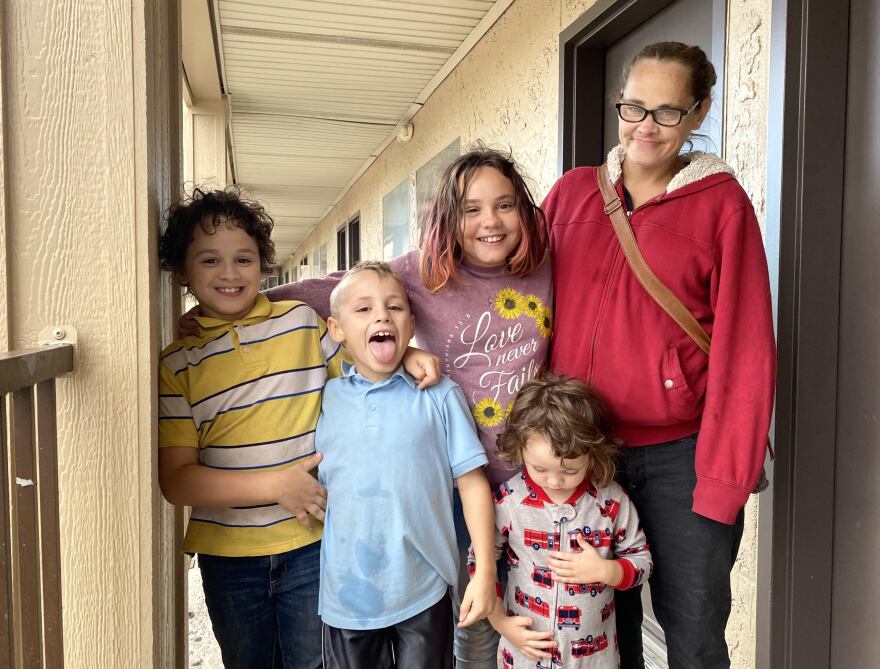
693	556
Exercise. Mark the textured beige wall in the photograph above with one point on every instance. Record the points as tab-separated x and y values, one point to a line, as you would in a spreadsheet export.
86	152
505	92
746	114
4	273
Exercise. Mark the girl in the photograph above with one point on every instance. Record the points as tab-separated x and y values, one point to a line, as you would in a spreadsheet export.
480	290
570	533
695	432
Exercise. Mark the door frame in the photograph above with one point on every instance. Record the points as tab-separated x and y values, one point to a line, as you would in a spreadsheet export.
809	51
582	48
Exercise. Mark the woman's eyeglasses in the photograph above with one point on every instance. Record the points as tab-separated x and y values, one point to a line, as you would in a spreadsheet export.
666	116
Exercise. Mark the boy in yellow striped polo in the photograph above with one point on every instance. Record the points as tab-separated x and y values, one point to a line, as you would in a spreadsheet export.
239	403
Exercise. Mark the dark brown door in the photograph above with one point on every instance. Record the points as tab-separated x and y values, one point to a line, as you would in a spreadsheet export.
855	608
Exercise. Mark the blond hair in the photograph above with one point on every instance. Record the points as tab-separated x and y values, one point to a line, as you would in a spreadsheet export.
383	269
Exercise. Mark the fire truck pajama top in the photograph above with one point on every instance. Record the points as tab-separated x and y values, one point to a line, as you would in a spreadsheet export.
391	452
528	527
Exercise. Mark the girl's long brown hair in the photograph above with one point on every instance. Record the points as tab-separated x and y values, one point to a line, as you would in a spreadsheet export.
441	225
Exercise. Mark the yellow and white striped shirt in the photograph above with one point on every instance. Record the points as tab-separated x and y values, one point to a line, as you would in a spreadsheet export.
247	394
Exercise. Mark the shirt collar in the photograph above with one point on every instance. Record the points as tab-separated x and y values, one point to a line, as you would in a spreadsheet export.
350	370
544	497
261	310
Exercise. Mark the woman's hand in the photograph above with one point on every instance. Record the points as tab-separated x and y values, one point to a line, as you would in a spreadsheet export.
586	566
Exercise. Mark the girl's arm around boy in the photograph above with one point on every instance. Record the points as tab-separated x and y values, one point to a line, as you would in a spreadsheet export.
479	513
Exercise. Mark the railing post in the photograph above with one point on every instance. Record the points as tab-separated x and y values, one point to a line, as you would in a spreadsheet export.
30	552
26	521
7	542
50	531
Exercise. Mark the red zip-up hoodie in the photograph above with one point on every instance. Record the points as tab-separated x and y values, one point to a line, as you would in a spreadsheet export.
702	240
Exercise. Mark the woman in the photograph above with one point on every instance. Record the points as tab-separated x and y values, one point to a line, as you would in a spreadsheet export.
695	430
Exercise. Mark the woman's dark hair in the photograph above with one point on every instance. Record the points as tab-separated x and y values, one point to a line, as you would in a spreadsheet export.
570	416
441	225
692	57
210	209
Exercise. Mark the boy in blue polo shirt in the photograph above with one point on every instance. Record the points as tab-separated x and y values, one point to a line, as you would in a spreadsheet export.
391	453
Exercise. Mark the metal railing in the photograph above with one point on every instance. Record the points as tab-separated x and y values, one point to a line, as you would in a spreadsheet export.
30	555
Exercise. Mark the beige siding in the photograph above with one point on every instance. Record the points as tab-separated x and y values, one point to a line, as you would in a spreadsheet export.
747	95
505	92
88	134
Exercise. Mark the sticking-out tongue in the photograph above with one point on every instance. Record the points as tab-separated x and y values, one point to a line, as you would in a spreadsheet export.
383	349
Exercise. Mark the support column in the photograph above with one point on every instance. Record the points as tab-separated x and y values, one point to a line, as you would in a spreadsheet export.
91	122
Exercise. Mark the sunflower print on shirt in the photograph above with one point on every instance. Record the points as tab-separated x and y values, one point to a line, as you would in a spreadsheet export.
510	304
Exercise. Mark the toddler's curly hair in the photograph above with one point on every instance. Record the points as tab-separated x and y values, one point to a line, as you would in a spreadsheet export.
570	416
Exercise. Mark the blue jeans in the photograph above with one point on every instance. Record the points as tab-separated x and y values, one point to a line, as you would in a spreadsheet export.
264	610
693	556
476	646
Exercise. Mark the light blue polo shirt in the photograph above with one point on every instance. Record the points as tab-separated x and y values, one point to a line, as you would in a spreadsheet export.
391	452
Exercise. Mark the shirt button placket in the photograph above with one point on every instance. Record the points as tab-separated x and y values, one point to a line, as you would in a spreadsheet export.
370	410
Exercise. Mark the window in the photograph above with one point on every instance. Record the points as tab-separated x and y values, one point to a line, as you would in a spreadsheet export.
354	241
429	174
348	243
319	261
395	221
341	248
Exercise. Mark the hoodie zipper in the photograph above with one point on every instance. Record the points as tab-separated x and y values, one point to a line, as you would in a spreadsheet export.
612	274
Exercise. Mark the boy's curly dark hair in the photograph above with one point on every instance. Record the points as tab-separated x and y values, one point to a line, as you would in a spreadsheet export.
570	416
211	208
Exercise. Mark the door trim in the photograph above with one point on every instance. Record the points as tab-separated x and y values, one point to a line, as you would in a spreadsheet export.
582	48
813	57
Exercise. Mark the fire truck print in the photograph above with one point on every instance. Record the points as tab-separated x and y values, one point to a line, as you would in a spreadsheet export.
506	659
607	610
532	499
534	604
502	491
589	645
584	588
555	660
512	557
542	577
596	538
610	508
538	539
568	616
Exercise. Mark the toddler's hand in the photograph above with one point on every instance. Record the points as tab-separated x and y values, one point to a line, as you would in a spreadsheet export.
478	601
422	366
517	630
584	567
186	324
300	493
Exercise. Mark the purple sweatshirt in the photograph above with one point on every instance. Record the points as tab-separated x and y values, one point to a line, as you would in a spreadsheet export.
490	330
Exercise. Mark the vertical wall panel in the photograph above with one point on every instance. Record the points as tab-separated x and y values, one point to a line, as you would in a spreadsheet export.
87	149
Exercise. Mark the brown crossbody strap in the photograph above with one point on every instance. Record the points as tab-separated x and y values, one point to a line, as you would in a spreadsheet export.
654	286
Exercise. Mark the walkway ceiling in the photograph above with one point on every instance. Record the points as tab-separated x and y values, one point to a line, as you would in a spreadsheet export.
319	87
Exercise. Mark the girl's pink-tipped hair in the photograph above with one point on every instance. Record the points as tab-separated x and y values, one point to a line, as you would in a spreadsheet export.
440	242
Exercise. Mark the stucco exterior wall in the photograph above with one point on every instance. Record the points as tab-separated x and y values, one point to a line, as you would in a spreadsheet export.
505	92
746	116
87	135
